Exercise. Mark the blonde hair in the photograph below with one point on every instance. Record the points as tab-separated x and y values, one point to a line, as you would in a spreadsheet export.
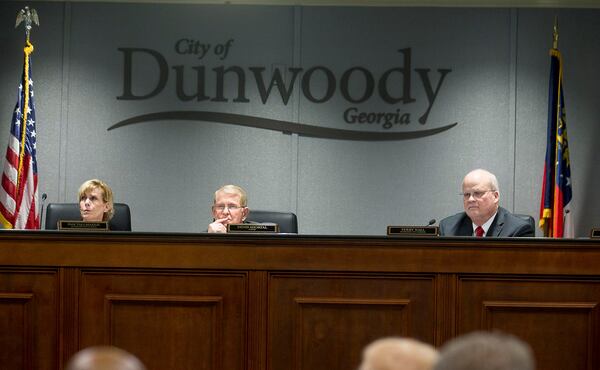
107	195
399	354
233	189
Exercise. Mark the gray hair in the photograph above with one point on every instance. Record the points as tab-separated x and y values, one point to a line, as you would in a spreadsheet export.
234	189
486	351
493	181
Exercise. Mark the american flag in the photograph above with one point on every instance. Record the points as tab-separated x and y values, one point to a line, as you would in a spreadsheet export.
19	190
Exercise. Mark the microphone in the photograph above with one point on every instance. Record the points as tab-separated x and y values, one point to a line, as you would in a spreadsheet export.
44	196
431	222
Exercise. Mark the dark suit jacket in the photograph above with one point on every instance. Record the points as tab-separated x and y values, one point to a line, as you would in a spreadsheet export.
505	225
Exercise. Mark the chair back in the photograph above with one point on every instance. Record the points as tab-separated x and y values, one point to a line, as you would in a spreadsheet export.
530	220
287	221
55	212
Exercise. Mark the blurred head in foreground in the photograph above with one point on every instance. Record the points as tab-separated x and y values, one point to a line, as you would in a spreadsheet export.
104	358
398	354
486	351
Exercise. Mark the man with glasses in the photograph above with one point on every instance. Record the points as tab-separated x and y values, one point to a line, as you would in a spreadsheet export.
229	207
483	216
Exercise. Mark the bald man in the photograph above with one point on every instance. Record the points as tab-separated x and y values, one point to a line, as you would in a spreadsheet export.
486	350
483	215
104	358
398	354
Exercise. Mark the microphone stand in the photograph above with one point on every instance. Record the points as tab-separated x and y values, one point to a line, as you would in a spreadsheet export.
43	202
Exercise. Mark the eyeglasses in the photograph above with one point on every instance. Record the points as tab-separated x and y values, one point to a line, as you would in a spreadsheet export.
475	194
230	207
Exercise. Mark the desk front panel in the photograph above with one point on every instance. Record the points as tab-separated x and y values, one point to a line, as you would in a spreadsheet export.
182	301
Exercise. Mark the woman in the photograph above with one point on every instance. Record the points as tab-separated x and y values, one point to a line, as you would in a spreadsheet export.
95	201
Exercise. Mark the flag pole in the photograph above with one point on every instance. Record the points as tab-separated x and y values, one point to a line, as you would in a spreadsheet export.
30	17
555	34
556	53
557	193
547	213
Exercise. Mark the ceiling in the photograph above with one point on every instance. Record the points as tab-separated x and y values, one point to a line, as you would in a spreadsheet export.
423	3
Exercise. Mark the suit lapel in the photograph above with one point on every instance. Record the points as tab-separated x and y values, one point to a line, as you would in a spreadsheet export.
465	228
498	224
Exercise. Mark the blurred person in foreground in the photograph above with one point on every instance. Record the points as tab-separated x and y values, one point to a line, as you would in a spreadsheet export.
104	358
486	351
398	354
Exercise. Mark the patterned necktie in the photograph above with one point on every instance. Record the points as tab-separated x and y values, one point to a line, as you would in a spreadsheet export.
479	232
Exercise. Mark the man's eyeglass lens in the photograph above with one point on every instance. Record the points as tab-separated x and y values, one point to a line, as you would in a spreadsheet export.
231	208
475	194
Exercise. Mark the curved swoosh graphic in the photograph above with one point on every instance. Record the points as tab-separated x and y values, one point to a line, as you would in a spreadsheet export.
277	125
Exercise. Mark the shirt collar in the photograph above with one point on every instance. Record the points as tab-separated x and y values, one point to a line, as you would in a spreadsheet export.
486	225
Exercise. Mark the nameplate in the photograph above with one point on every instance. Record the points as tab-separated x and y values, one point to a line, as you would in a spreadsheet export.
595	233
66	225
413	231
253	228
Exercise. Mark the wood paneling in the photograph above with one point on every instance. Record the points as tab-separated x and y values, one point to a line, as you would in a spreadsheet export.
169	320
323	321
555	316
16	312
28	319
258	302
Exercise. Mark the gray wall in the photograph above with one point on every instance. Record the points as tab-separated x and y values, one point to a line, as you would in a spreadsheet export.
167	170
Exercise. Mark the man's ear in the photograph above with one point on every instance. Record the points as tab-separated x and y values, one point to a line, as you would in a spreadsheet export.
496	196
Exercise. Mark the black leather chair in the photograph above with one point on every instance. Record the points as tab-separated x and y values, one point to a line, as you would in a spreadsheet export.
287	221
527	218
55	212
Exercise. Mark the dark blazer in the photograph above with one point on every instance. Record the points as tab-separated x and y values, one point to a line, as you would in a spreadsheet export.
505	225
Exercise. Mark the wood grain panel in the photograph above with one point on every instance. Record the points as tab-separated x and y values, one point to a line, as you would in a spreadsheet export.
445	325
316	319
280	302
555	317
69	313
257	320
171	318
28	320
171	321
303	253
323	321
16	319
